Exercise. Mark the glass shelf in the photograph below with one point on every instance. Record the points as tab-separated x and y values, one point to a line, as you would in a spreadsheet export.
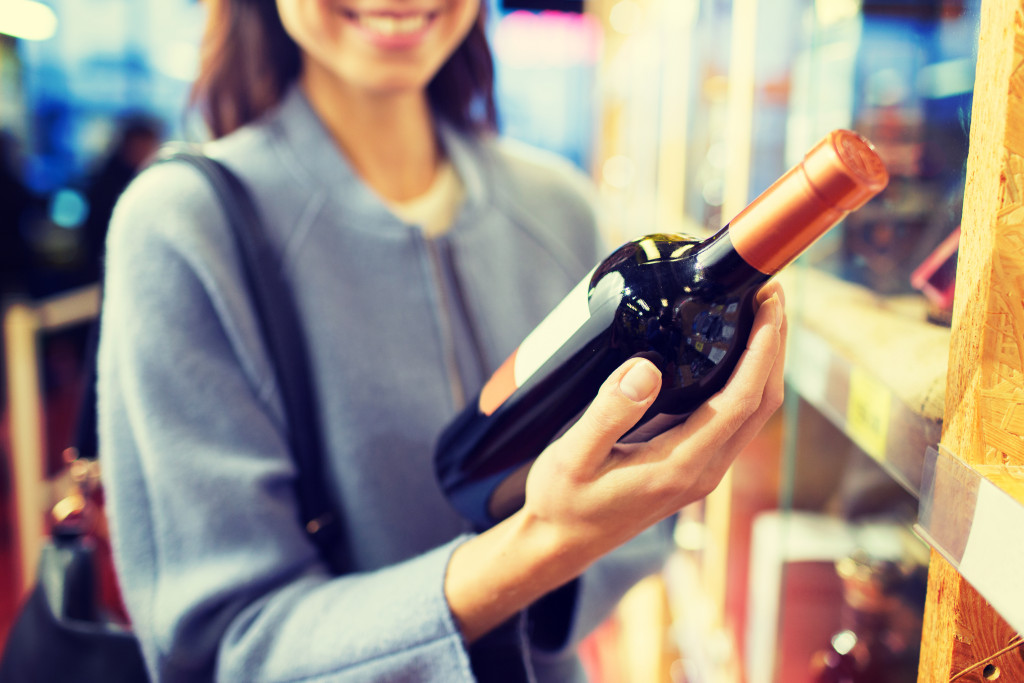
871	364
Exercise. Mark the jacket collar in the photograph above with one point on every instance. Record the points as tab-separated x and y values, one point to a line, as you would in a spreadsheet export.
318	161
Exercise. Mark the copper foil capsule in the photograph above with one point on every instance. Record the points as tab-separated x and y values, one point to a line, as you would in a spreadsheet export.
838	175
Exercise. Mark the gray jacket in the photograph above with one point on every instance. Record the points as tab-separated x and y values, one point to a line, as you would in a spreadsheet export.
220	580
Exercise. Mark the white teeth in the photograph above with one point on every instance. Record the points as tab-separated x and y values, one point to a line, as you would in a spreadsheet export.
390	25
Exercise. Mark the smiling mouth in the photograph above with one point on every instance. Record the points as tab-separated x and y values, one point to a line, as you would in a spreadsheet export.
391	24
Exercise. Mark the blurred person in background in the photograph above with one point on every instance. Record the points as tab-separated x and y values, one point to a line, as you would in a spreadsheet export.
136	138
420	248
16	207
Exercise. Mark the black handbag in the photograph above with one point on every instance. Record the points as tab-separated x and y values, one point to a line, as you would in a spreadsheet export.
61	632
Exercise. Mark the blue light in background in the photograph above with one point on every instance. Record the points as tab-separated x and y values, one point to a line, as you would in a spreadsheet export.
68	208
77	84
545	65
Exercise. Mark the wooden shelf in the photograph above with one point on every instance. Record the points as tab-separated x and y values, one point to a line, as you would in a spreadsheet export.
874	366
23	324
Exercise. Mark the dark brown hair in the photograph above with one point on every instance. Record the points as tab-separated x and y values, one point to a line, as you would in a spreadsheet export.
247	62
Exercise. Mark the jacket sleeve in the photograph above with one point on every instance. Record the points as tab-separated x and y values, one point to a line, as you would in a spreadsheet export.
219	577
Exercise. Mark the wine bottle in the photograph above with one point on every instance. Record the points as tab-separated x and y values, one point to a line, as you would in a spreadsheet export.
687	305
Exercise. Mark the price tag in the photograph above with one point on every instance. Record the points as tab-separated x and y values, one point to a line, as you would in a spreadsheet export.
867	413
991	562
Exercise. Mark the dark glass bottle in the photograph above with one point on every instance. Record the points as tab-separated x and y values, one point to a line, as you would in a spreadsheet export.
882	615
686	305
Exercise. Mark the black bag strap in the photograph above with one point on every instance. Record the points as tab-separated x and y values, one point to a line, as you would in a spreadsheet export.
280	326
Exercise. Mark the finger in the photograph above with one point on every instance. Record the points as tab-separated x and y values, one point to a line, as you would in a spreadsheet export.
744	390
772	288
728	421
771	401
725	412
774	390
620	403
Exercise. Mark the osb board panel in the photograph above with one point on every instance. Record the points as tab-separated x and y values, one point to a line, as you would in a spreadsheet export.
985	389
970	635
985	394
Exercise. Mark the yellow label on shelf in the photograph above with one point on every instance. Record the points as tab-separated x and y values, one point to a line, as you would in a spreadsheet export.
867	413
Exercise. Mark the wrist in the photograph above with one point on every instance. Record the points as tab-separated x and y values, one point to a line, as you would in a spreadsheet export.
551	552
503	570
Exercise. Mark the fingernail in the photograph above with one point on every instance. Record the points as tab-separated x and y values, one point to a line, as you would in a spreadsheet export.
777	312
640	381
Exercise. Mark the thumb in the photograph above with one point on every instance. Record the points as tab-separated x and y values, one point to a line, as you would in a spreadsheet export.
621	401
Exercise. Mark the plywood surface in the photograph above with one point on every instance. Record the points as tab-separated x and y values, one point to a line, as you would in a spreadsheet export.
965	640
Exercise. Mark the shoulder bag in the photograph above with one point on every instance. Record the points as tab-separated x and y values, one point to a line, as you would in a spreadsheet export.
61	632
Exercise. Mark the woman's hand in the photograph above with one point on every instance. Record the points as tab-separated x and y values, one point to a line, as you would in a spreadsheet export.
596	492
588	493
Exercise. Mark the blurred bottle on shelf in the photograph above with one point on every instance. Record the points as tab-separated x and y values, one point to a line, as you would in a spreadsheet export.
883	607
935	278
912	97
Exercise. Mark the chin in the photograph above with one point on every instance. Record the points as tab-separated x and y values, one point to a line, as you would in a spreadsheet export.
396	84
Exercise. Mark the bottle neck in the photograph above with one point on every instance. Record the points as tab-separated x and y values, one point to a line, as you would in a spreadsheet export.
784	220
719	261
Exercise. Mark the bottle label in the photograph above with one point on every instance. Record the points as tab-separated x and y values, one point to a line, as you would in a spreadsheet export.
542	343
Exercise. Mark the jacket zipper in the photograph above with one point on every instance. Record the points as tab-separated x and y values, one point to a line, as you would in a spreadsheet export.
455	383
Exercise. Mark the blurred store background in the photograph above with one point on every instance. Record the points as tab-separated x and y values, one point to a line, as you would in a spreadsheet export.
88	86
681	111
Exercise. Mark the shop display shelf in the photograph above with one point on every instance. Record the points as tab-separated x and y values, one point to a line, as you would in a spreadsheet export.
873	365
24	324
710	651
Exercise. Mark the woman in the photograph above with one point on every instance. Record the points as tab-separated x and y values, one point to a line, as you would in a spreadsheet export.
420	250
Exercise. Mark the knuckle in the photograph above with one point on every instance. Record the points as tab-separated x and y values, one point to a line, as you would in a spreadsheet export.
743	408
774	398
600	420
561	466
706	484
